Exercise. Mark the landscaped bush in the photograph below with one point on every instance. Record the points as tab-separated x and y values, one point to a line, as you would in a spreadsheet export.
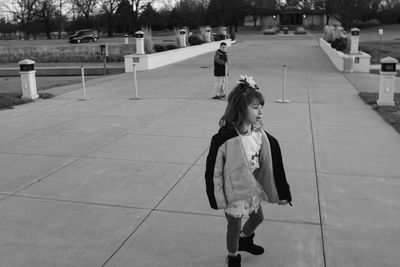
232	35
270	31
148	41
329	33
219	37
159	48
195	40
171	47
300	30
340	44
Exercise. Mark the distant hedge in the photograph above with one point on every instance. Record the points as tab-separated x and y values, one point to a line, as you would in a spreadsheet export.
65	53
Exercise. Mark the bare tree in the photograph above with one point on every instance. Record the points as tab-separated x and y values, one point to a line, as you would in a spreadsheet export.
85	8
253	9
46	11
348	11
226	12
23	11
138	6
61	14
109	7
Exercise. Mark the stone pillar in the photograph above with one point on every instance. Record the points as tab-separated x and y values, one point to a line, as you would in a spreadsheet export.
387	81
182	38
354	42
139	36
28	79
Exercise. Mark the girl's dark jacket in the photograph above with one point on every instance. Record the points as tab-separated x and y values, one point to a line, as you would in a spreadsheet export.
220	59
228	175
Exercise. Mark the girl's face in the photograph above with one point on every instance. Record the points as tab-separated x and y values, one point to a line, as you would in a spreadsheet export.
254	112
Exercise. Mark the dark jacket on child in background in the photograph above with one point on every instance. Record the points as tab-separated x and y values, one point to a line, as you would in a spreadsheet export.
228	175
220	59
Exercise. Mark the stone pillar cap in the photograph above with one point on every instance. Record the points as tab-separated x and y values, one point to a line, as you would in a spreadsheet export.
26	62
140	32
389	60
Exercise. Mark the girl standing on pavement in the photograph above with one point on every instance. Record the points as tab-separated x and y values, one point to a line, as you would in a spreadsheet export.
244	167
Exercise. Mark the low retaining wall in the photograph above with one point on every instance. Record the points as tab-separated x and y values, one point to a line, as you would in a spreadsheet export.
346	63
152	61
361	62
341	61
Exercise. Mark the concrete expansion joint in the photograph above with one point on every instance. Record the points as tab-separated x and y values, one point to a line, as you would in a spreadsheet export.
78	202
137	160
350	175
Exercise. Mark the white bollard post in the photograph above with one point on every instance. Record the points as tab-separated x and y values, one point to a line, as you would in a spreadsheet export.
136	97
208	35
139	36
28	79
84	98
223	31
387	81
355	40
126	39
182	38
283	99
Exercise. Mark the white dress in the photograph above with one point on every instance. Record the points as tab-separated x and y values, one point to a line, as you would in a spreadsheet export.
252	145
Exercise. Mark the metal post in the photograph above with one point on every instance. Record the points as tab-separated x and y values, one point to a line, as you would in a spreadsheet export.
104	65
135	83
283	100
226	80
83	84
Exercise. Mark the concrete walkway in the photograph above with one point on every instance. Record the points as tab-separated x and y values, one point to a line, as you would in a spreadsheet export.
119	182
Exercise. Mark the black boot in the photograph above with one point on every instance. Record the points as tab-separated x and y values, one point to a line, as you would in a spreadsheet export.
233	261
246	244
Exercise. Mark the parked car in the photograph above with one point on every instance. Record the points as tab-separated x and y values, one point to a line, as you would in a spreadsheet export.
81	36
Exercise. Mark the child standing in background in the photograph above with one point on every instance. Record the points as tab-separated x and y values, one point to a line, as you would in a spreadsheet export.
220	68
244	167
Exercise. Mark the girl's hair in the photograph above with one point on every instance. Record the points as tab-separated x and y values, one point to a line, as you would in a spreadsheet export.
239	99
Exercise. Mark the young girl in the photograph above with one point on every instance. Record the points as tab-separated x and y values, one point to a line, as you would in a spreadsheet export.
244	167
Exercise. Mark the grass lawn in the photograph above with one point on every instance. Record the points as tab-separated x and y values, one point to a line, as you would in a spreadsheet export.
379	50
389	114
9	100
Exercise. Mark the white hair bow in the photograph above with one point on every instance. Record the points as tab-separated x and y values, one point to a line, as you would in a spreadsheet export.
244	79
